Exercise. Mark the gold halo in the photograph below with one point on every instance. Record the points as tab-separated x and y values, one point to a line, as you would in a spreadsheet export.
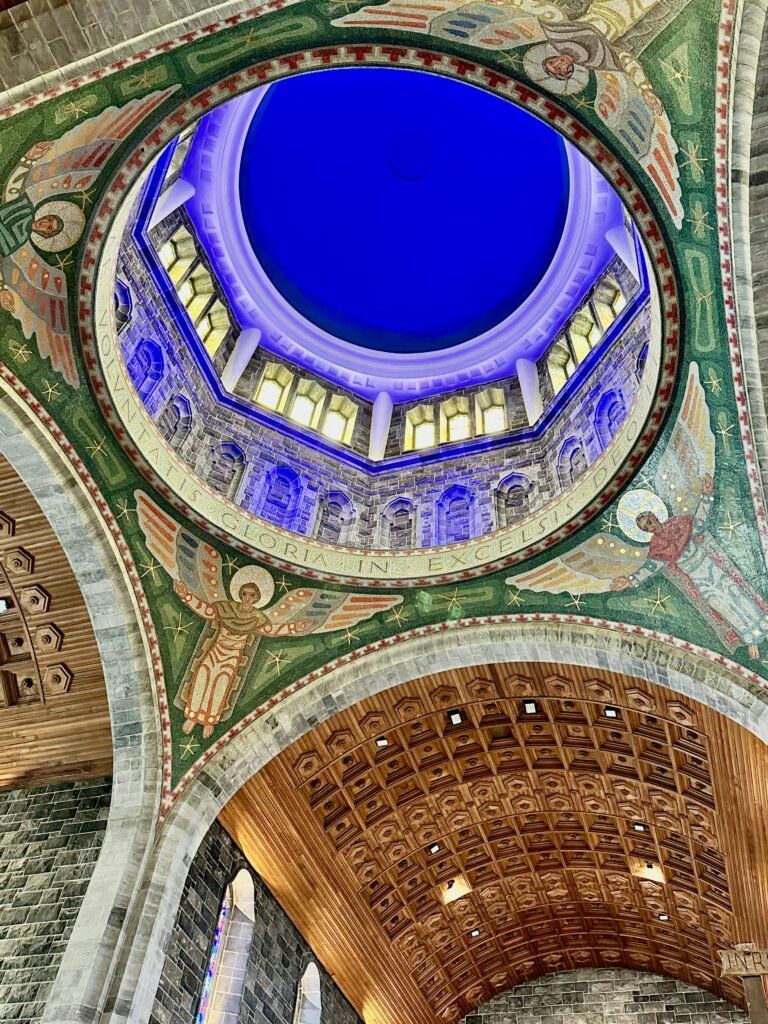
634	503
73	219
257	575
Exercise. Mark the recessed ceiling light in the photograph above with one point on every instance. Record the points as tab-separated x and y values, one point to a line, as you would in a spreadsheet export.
611	712
475	932
530	707
663	917
638	826
434	848
382	741
455	717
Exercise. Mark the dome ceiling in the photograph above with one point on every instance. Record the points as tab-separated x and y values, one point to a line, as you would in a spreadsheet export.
339	169
584	819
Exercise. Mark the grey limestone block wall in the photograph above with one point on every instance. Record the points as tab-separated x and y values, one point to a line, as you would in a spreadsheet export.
50	838
278	958
606	997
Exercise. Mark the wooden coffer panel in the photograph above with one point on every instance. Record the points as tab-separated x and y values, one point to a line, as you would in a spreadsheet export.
587	840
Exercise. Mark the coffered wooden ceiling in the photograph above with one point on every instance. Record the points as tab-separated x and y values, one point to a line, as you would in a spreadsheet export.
586	840
54	720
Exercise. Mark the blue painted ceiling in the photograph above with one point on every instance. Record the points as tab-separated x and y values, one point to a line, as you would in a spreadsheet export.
401	211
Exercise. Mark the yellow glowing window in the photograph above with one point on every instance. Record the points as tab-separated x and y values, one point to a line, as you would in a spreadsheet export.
272	390
560	364
303	410
339	420
608	302
490	411
618	303
178	254
420	428
213	327
196	292
307	404
335	426
459	427
423	435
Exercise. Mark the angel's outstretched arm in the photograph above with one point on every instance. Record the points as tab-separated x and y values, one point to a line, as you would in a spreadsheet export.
648	569
195	604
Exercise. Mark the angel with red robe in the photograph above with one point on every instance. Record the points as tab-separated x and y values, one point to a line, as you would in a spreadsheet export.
37	219
667	533
234	626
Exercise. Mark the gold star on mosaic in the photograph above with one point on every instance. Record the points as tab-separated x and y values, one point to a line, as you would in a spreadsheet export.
512	60
345	6
609	521
714	382
575	601
452	600
282	585
700	221
51	390
276	658
703	297
693	158
96	448
658	602
84	196
724	430
644	480
150	568
75	108
142	81
62	262
123	509
179	628
350	637
22	352
513	599
728	524
581	103
229	563
674	74
399	616
189	748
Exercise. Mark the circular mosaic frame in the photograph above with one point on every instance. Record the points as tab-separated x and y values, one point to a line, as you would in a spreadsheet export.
279	548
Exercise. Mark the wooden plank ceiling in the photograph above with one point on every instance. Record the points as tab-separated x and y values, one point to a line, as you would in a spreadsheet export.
54	719
609	823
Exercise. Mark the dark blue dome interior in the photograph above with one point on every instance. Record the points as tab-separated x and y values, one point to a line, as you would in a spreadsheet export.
398	210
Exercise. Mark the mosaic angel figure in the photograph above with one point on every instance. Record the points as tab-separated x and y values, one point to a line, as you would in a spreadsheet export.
234	626
667	533
36	221
566	56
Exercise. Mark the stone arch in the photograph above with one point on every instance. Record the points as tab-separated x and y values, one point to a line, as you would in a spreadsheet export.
280	496
123	304
175	421
398	525
455	515
145	367
609	415
336	518
97	937
308	999
689	673
513	498
572	461
226	468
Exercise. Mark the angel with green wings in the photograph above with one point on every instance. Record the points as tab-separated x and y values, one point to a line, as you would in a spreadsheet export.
234	626
668	534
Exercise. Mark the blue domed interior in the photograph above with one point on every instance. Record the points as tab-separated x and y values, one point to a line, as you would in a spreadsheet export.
398	210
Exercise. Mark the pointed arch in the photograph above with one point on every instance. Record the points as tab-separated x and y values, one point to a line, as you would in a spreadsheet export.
175	421
308	999
572	461
455	515
513	498
336	519
398	525
609	415
230	949
226	468
145	367
280	496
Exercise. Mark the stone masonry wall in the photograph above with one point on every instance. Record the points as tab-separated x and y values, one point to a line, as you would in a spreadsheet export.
50	838
426	476
606	997
279	954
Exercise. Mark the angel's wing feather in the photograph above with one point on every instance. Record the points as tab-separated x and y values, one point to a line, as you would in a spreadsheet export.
181	554
76	159
690	453
323	611
587	569
41	307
